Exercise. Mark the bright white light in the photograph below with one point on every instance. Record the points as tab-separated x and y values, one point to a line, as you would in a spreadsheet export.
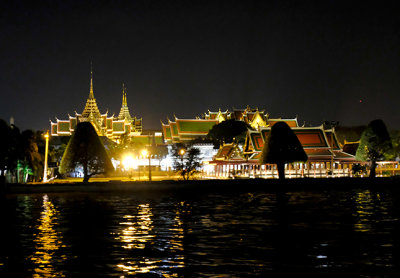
128	162
145	153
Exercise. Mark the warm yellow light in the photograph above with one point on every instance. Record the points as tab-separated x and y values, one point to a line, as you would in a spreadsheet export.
145	152
182	152
128	162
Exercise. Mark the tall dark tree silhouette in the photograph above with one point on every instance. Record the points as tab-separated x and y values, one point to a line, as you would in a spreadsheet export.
6	147
375	145
32	155
9	148
85	149
282	146
226	131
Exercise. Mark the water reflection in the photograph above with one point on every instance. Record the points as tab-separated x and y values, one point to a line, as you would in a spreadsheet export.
163	247
47	242
137	228
136	233
178	231
365	209
221	235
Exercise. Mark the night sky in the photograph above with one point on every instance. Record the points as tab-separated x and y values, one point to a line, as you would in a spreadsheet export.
318	60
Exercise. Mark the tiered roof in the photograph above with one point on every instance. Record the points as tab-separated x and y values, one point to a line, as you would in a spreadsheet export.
91	111
248	115
188	129
230	151
315	140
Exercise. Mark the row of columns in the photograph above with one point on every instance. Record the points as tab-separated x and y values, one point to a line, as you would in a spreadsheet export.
292	170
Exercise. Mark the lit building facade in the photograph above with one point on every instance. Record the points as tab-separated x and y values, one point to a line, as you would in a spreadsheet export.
325	155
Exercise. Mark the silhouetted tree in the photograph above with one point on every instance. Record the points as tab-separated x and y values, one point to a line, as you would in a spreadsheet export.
375	145
85	149
125	145
226	131
187	160
16	153
33	157
282	146
395	135
9	151
57	147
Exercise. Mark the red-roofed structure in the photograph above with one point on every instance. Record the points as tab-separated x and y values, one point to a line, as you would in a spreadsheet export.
321	147
325	156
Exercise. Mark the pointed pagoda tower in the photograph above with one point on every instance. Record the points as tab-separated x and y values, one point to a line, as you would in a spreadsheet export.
124	112
91	111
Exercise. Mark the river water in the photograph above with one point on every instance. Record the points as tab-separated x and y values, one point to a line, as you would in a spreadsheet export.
244	234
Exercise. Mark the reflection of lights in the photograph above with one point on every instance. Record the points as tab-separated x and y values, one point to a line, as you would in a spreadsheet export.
137	233
48	241
365	209
322	260
144	153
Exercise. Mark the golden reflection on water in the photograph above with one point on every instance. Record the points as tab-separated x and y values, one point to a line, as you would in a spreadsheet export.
178	235
137	233
138	228
365	204
47	242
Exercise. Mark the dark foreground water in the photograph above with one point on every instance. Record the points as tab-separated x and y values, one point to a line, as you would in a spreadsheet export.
355	233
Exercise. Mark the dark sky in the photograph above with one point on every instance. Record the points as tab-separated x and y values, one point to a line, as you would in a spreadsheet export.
320	60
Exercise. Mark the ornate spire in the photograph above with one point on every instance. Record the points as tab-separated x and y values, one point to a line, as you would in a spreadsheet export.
124	112
91	95
91	110
124	101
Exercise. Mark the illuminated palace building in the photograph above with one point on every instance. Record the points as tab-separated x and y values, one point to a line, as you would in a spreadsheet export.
110	126
325	154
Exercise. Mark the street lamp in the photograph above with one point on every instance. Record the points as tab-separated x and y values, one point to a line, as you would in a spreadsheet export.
146	153
182	153
46	136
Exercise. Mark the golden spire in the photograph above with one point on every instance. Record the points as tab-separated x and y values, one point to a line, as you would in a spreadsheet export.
124	112
124	101
91	95
91	105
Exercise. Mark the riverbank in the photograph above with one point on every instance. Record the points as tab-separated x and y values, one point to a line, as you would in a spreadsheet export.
304	184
